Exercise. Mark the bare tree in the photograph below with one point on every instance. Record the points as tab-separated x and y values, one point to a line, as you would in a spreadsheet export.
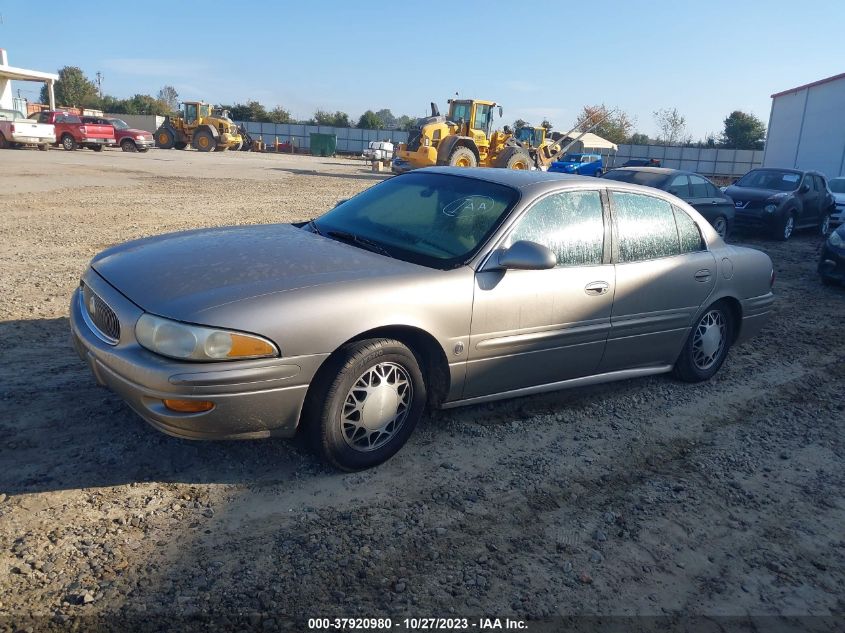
671	124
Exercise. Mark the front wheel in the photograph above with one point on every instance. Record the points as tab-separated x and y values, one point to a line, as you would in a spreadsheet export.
786	228
366	404
598	173
463	157
97	148
707	345
824	225
128	145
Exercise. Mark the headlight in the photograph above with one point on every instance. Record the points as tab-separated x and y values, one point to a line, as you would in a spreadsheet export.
836	239
140	137
426	141
770	208
193	342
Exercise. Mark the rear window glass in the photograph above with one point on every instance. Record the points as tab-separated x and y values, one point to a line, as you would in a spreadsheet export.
645	227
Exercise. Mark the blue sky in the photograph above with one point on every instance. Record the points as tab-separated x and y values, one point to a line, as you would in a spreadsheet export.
705	58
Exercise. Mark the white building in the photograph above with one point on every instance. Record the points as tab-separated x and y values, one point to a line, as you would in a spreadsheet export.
9	73
807	128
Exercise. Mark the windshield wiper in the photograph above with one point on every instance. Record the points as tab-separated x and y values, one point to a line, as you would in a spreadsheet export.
363	242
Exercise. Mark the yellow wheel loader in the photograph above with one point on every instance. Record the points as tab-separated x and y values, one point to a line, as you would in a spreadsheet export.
202	127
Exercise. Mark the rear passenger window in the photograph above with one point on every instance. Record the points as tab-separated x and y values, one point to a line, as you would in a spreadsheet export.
679	186
570	224
698	187
688	233
645	227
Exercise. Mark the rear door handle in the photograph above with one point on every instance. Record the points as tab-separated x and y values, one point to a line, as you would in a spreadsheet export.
596	288
702	275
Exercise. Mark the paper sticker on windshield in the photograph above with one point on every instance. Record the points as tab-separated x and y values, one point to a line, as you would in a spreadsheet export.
791	177
469	206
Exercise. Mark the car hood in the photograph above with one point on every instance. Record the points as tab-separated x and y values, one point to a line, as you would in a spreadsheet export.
180	275
839	198
134	132
745	194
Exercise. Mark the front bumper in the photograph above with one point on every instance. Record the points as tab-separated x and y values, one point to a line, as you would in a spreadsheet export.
756	220
252	398
832	264
146	143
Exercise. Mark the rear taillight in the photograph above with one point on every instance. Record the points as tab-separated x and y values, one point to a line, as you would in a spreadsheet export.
12	128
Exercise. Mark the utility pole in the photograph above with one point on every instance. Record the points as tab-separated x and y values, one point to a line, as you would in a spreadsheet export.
100	83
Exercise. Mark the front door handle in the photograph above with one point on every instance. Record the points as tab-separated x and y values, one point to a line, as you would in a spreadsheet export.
596	288
702	275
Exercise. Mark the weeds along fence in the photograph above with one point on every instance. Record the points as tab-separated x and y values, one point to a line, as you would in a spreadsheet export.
350	140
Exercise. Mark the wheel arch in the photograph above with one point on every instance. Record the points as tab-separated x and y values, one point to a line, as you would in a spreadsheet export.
448	145
434	365
733	305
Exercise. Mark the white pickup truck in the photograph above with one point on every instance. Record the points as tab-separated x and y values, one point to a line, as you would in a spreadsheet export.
16	129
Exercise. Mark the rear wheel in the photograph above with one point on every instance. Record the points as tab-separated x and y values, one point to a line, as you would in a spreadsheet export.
165	138
720	224
69	143
203	141
707	345
4	144
43	147
514	158
97	148
598	173
221	147
462	157
365	406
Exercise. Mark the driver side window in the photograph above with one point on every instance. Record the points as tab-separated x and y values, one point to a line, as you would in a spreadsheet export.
571	224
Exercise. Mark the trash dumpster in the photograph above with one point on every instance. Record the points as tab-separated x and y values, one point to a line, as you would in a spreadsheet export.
323	144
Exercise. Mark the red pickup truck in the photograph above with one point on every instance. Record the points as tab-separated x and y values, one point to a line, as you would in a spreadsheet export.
72	133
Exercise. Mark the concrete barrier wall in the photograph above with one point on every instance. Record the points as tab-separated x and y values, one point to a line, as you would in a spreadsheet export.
350	140
148	122
708	161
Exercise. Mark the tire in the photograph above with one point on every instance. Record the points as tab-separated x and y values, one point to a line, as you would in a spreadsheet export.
203	141
462	157
335	409
43	147
238	147
824	225
69	143
720	224
598	173
4	144
128	145
180	145
703	354
221	147
165	138
514	158
786	227
97	148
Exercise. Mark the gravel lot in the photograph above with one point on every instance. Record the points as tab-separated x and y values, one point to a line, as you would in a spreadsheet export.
645	497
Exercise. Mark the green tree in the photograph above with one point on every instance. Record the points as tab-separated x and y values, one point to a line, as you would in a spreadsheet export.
406	123
279	115
614	125
73	89
370	121
743	131
169	97
639	138
547	124
388	120
520	123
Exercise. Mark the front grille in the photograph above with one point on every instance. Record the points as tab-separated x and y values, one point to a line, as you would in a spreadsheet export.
101	316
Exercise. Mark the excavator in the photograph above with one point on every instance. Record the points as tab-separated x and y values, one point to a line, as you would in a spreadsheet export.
465	138
201	126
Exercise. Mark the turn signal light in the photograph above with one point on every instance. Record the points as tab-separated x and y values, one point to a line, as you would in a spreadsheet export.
189	406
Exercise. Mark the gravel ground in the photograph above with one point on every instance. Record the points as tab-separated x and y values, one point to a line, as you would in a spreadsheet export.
646	497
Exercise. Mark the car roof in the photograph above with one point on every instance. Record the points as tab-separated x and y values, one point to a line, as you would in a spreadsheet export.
517	178
652	170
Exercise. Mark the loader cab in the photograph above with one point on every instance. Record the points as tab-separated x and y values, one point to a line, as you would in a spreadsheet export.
531	136
476	115
195	110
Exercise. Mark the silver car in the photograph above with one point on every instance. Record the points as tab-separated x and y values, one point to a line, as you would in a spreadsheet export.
441	287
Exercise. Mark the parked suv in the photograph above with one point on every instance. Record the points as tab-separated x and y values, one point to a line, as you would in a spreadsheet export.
129	139
779	201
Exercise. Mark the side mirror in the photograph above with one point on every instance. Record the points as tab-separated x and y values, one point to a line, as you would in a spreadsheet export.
525	255
500	112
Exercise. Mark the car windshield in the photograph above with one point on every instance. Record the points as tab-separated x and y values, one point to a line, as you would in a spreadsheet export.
837	185
777	179
119	124
432	219
646	178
